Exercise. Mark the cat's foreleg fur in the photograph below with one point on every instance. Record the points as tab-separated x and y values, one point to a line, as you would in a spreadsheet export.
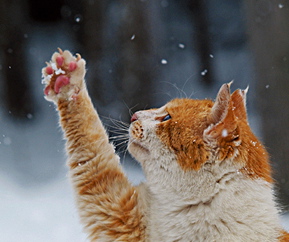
107	202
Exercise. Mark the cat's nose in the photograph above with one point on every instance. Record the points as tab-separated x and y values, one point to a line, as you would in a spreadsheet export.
133	117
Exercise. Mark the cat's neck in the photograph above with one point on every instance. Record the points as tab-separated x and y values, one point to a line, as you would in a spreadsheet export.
207	204
167	179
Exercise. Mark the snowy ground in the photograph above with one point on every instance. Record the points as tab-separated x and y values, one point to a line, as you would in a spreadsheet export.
36	201
44	213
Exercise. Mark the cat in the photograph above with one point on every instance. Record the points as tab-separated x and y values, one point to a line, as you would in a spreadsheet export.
208	177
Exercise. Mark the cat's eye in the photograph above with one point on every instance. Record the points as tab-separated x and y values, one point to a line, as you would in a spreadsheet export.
167	117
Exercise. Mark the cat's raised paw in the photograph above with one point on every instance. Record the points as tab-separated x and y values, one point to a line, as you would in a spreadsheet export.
63	76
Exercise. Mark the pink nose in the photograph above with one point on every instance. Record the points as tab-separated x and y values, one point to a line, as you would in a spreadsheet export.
133	117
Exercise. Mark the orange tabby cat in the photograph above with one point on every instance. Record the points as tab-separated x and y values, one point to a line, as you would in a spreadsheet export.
208	176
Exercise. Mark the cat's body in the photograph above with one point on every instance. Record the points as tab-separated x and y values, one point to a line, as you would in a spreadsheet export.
208	177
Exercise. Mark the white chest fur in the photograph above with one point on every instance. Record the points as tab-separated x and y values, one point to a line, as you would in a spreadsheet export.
240	210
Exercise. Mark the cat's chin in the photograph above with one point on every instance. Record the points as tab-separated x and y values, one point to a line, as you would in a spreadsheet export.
136	149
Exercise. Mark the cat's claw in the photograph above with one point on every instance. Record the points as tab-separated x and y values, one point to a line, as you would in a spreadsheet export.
63	76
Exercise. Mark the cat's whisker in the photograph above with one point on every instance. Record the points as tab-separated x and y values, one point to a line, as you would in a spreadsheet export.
122	147
117	126
126	149
118	131
130	141
125	152
181	93
121	143
129	109
120	134
118	143
119	138
185	83
192	93
117	123
125	129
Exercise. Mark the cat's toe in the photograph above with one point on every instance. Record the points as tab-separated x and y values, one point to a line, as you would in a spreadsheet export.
60	82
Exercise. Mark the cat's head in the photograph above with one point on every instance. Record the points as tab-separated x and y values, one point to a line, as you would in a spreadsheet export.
191	134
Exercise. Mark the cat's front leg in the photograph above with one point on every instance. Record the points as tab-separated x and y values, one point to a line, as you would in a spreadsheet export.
107	202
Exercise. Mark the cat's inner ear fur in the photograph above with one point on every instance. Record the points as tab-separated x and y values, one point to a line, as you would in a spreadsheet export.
223	130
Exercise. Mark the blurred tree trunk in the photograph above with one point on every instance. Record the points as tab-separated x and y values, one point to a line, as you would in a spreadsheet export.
138	53
92	32
13	24
268	23
200	19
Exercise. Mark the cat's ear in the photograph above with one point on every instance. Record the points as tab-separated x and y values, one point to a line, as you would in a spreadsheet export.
238	99
220	108
222	120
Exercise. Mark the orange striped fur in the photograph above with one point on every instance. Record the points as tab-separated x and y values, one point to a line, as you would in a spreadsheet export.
200	158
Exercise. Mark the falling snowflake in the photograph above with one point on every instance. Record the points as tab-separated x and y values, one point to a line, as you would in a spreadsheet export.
78	18
281	5
204	72
164	61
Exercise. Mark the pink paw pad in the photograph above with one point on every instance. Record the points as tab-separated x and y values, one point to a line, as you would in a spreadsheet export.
72	66
49	70
46	90
60	82
59	60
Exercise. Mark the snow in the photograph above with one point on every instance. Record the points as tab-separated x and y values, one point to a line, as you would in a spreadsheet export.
204	72
78	18
59	71
281	5
41	214
253	143
45	213
224	133
36	199
29	116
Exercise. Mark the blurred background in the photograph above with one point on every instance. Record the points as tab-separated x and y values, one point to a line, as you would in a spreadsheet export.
139	54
